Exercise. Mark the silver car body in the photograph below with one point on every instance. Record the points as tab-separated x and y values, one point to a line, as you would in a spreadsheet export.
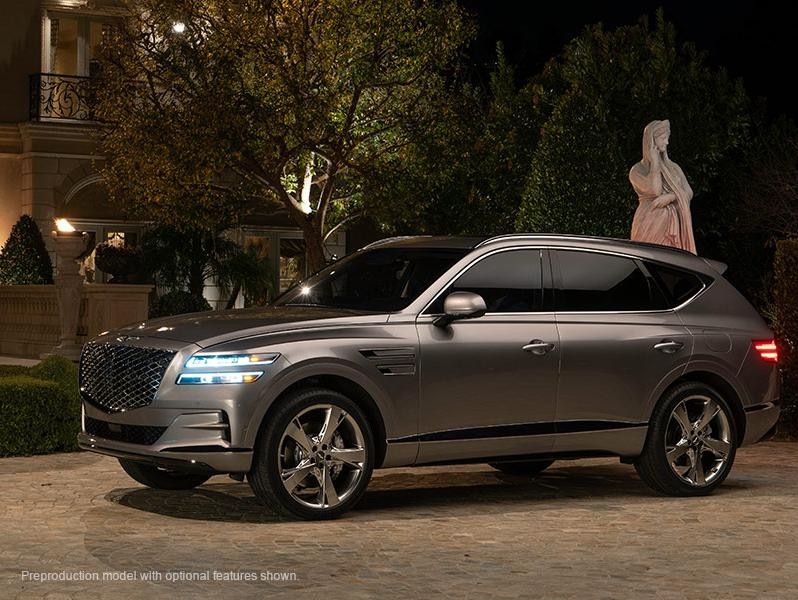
466	392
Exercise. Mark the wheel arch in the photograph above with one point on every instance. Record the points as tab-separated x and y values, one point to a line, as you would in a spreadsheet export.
342	384
724	387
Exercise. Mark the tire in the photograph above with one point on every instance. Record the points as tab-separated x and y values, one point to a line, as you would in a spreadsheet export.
714	446
527	467
291	453
162	479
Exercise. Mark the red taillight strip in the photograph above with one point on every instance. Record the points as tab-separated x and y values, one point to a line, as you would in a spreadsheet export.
767	350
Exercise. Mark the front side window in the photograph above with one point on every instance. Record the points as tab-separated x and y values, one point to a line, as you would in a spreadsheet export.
510	281
593	282
383	279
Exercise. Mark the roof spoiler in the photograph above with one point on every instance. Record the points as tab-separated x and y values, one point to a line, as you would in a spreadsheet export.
720	267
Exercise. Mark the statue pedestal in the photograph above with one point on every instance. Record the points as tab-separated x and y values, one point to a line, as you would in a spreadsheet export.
68	285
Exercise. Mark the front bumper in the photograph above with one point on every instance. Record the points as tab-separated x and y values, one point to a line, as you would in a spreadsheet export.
187	459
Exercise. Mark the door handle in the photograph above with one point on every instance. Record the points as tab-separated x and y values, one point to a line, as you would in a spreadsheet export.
538	347
668	346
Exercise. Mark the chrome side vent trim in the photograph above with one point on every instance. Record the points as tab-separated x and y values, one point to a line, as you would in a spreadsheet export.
392	361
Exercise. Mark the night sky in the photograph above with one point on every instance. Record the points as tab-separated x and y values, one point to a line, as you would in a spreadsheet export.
753	40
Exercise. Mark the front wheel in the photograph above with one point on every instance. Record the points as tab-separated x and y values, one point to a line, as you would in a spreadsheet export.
162	479
691	442
314	457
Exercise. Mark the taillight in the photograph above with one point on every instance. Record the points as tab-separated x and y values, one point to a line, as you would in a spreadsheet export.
767	350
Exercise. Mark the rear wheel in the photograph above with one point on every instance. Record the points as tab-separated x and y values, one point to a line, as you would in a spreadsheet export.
691	442
527	467
314	457
162	479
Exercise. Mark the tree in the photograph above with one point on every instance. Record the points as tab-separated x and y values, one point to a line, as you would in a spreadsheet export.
296	102
467	177
592	103
24	259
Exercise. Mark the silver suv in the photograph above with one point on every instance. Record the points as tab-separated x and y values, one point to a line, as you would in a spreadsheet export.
516	350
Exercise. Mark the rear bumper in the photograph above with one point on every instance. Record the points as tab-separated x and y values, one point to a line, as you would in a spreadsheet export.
222	461
760	421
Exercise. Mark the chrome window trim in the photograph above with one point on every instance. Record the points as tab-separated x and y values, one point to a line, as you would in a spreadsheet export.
704	286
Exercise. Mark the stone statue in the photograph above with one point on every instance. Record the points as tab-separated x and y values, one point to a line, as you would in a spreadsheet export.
663	215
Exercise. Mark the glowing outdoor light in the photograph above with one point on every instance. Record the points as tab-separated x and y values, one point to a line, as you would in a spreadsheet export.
64	227
304	290
178	27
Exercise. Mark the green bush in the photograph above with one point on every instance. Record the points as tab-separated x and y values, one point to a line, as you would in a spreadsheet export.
24	258
785	297
39	408
178	302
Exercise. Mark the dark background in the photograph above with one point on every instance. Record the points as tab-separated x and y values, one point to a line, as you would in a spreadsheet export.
753	40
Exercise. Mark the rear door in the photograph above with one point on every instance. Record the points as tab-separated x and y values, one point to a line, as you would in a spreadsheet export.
619	339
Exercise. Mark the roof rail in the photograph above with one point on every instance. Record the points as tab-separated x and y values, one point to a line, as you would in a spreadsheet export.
576	236
389	239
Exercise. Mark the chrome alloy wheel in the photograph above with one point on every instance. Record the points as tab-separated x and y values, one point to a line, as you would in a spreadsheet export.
698	440
321	456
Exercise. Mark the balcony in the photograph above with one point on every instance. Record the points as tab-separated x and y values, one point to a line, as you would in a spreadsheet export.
60	97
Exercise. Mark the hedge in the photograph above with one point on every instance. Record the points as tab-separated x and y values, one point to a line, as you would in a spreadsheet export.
39	408
785	297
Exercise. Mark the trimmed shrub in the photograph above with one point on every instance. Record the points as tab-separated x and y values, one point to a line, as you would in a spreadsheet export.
178	302
24	259
39	408
785	298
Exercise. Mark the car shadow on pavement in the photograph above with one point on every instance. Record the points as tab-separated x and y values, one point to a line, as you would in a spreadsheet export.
417	494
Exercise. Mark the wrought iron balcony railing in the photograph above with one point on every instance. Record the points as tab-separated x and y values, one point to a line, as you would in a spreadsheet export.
60	97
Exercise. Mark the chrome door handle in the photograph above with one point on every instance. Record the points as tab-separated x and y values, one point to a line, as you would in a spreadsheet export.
538	347
668	346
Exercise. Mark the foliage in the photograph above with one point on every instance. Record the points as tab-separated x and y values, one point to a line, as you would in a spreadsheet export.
786	326
467	176
125	263
39	408
178	302
185	259
296	101
592	104
24	258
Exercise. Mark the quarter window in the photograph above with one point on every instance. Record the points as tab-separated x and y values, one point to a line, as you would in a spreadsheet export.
509	282
593	282
679	286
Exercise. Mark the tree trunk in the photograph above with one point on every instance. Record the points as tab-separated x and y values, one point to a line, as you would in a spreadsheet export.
314	244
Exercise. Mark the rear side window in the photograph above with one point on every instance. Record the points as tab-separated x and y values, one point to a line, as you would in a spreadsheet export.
509	281
593	282
679	286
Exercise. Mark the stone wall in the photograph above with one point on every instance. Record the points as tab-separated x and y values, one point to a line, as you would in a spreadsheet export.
29	324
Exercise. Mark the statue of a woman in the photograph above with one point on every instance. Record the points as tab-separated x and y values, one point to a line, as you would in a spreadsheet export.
663	215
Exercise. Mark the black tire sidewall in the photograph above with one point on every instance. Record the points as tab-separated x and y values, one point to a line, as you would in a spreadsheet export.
655	456
267	450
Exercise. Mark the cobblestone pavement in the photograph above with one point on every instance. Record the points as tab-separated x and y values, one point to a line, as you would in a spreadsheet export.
584	529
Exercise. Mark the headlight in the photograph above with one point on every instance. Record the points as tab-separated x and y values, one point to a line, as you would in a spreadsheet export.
206	378
215	361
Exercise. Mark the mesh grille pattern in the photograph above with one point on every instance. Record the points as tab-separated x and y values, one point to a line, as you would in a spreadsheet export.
116	377
132	434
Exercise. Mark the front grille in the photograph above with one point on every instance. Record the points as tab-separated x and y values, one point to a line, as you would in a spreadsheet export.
115	377
132	434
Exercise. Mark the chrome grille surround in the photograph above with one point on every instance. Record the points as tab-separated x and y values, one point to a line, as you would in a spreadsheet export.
117	377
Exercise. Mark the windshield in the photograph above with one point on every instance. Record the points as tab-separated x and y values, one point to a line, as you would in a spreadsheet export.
383	279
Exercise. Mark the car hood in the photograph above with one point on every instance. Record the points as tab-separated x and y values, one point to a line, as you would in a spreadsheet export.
213	327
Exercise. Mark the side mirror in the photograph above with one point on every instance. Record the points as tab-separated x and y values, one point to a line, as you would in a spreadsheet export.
461	305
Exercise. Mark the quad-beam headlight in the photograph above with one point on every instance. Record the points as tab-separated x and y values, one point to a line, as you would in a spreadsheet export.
213	368
215	361
206	378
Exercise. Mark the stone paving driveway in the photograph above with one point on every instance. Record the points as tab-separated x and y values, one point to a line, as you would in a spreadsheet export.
584	529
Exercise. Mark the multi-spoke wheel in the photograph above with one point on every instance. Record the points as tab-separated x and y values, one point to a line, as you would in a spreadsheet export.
314	458
691	442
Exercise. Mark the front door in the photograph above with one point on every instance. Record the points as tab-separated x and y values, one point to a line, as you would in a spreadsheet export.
488	385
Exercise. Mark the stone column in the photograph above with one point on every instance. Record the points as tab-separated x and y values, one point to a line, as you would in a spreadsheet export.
68	285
